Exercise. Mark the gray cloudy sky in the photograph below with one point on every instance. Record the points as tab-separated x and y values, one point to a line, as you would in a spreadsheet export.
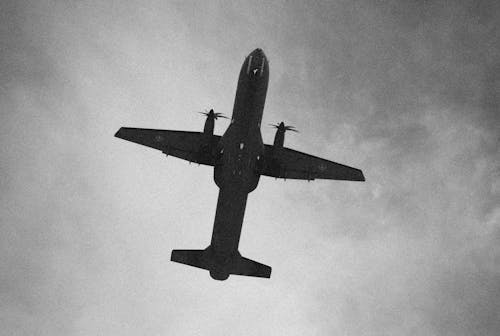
406	90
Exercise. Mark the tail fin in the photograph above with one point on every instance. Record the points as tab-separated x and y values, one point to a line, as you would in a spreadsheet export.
221	269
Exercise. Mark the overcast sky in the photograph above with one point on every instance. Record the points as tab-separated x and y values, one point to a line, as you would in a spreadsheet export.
408	91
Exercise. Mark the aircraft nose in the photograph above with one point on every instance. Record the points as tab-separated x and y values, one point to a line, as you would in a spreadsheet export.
256	62
257	53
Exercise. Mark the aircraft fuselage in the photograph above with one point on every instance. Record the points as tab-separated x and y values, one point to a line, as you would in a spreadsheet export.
241	149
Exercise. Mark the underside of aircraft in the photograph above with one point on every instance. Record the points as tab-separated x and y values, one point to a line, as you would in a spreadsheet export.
239	158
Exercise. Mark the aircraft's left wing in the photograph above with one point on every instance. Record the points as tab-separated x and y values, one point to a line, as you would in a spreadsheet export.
191	146
288	163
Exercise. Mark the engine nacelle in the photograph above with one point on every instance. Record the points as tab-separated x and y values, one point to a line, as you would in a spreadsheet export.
209	125
279	138
210	122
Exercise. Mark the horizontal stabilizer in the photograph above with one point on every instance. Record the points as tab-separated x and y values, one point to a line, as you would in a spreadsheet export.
196	258
245	266
221	268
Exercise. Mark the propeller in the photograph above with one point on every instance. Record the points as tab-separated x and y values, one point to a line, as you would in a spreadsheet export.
282	127
212	114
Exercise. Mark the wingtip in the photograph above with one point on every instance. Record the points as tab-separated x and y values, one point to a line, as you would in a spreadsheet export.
119	132
361	177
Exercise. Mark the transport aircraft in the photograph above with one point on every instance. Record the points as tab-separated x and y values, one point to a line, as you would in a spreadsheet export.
239	158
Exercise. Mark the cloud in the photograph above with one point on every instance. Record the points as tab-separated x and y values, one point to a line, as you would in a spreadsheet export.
406	91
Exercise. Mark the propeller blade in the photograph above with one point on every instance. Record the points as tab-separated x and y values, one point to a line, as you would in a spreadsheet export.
291	128
205	112
285	127
211	113
220	115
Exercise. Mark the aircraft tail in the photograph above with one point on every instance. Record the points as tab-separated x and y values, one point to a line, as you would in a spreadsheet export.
195	258
248	267
221	268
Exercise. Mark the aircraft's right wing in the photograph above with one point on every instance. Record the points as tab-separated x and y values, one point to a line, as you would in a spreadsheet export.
191	146
292	164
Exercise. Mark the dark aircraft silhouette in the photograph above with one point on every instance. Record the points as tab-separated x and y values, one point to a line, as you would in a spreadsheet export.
239	158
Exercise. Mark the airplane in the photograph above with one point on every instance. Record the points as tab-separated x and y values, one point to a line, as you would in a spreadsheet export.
239	158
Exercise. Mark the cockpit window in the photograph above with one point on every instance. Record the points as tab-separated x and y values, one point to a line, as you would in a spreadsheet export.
255	66
249	64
